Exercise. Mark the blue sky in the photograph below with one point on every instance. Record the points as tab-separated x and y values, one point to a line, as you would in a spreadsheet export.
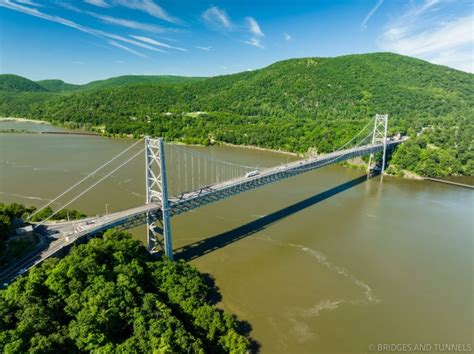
84	40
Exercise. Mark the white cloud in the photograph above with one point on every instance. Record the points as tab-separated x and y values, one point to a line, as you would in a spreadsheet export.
149	7
34	12
156	43
448	36
217	17
78	62
432	32
97	33
68	6
207	49
28	2
127	23
287	37
254	27
460	59
131	41
370	14
256	31
100	3
130	50
255	42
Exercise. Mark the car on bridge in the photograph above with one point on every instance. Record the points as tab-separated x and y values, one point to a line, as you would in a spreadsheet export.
252	174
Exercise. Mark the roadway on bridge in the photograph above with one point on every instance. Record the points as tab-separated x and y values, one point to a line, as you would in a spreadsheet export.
66	233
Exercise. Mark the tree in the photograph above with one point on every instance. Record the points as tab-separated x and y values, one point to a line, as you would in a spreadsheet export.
110	295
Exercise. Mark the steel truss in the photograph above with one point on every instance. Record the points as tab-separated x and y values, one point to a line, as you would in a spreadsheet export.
379	136
196	199
157	192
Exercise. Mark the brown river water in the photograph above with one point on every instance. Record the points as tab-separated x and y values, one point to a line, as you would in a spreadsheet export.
326	262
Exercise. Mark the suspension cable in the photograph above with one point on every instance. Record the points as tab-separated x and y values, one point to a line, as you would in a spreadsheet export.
85	178
355	136
215	159
337	157
92	186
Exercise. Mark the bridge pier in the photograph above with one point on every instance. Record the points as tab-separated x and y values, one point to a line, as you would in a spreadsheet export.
157	192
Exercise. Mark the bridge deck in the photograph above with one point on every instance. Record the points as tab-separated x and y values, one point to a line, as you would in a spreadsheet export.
72	231
194	199
191	200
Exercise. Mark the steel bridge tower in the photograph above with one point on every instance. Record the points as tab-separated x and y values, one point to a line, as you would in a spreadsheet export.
157	192
379	135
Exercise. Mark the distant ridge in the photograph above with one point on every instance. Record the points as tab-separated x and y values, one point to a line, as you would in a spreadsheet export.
138	79
16	83
58	86
292	105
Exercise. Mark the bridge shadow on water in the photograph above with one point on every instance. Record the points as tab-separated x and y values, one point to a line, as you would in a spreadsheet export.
203	247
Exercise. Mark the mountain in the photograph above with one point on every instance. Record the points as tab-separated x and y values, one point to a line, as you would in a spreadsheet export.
137	79
58	86
15	83
292	105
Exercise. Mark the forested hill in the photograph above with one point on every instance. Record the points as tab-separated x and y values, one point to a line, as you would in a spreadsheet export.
15	83
291	105
58	85
137	79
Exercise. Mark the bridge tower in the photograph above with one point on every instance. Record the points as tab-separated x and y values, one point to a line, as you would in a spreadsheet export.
157	192
379	135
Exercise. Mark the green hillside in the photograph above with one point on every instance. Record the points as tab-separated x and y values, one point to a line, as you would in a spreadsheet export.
294	105
137	79
58	85
15	83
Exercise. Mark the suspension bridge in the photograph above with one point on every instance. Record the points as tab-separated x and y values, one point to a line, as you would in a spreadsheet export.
197	179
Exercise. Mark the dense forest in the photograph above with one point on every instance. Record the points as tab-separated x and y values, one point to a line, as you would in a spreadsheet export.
293	105
15	83
109	296
57	85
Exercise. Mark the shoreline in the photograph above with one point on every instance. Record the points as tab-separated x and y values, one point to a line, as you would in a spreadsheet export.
456	184
357	164
23	120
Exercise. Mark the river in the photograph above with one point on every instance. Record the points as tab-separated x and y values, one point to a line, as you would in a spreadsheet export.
325	262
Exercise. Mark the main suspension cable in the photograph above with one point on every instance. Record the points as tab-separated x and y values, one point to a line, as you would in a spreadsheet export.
85	178
92	186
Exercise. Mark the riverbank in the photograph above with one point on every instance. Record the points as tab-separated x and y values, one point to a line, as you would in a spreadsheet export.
357	163
23	120
22	131
457	184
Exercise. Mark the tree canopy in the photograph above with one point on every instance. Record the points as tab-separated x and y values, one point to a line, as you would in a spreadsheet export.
110	296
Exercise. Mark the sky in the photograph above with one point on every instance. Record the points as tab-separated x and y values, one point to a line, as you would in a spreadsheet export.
79	41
